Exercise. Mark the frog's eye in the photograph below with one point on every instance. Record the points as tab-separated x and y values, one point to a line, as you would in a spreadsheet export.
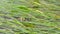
35	7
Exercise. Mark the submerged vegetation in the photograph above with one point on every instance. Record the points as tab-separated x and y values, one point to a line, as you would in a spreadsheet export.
29	16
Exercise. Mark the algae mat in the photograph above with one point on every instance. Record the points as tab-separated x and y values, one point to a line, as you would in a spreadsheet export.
29	16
